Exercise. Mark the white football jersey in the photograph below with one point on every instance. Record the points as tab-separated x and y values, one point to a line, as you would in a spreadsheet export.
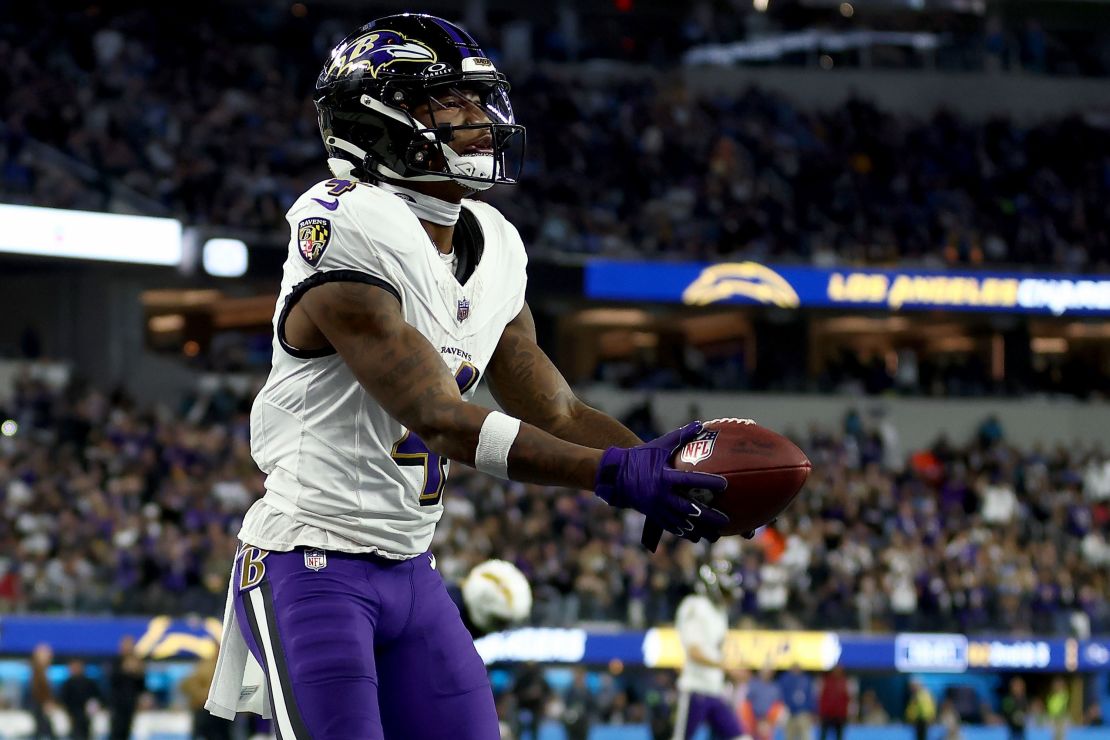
341	474
702	623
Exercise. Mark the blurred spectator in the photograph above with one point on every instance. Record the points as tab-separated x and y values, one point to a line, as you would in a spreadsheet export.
772	592
505	709
796	688
42	696
871	605
921	709
1015	708
126	682
1096	478
579	714
195	688
990	432
949	718
1000	504
641	420
871	710
1034	48
80	697
832	704
763	707
531	694
997	45
1038	718
11	585
1056	708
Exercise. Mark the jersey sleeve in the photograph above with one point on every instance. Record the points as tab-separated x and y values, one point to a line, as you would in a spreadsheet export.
351	237
330	235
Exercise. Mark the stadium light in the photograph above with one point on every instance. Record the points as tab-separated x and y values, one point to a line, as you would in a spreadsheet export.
111	237
224	257
9	428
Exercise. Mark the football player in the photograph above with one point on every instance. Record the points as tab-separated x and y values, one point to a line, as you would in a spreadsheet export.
397	296
702	623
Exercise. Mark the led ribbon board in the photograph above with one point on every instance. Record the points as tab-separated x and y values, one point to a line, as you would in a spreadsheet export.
164	637
110	237
793	287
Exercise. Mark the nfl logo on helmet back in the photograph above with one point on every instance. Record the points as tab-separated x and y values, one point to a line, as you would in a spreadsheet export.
464	310
700	449
315	559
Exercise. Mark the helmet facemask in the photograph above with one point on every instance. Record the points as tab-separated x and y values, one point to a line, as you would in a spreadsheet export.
495	150
717	581
498	141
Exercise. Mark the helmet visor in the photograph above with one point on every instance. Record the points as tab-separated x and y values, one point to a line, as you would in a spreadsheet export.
476	132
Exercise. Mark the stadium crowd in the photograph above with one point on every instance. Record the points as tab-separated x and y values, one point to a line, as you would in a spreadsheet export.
110	507
218	128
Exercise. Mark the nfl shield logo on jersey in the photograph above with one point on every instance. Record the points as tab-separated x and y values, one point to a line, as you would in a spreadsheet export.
315	559
464	310
700	449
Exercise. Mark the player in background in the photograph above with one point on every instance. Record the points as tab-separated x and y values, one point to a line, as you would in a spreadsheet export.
397	295
702	623
494	596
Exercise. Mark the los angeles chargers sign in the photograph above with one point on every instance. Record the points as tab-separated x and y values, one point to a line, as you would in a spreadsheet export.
790	287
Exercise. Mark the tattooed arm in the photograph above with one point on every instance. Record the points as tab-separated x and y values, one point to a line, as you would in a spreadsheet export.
404	373
528	386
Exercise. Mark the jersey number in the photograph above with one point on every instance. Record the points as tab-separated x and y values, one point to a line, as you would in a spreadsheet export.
411	450
337	187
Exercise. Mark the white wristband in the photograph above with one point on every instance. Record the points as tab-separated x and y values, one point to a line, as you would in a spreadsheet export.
494	441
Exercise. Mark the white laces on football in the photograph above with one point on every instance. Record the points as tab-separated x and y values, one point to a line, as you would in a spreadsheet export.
426	207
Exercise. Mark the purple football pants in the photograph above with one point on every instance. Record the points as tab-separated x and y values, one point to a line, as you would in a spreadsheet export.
361	648
694	710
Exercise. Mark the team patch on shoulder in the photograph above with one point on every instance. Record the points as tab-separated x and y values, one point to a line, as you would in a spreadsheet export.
313	236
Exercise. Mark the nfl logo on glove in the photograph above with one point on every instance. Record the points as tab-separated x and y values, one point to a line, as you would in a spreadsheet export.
700	449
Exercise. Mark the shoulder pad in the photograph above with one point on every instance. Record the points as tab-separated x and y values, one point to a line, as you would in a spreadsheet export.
482	208
359	211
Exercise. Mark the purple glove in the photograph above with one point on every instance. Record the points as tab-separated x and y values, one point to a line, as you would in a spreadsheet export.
641	478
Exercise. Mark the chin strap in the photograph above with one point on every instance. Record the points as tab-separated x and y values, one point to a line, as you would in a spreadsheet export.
472	165
425	207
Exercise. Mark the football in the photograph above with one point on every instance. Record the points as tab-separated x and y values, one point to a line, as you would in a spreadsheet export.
764	469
